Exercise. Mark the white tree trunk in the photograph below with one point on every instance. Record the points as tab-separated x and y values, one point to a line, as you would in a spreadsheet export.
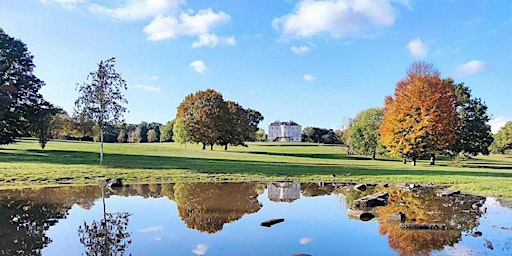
101	146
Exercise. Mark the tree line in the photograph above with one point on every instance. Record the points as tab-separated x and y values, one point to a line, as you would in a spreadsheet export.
427	116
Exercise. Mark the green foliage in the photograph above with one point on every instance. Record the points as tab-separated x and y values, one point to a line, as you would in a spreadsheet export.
135	136
152	136
320	135
503	139
166	134
474	134
19	89
364	132
180	133
260	135
42	125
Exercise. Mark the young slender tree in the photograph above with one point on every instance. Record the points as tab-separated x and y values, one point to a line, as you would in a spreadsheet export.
42	124
102	98
420	119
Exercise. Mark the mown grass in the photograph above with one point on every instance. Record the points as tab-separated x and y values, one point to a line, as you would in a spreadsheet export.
65	162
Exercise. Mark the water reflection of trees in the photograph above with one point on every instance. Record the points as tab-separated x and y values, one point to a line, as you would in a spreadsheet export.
26	214
425	206
208	206
313	189
108	236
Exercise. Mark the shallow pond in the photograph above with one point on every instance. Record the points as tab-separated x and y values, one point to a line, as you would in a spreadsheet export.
281	218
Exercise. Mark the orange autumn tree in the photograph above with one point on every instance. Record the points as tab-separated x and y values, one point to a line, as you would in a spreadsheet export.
420	119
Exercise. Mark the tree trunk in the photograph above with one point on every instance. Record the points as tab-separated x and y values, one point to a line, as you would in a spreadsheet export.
433	159
413	163
404	160
373	155
101	145
204	146
226	147
211	146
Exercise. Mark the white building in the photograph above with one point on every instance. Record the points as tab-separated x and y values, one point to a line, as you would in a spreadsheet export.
283	191
284	131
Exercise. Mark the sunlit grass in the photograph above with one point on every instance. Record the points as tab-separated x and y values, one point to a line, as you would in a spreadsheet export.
65	162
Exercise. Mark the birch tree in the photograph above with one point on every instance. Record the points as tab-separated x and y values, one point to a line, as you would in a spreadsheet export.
102	98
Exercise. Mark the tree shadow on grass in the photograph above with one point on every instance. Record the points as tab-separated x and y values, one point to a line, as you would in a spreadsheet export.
228	166
317	155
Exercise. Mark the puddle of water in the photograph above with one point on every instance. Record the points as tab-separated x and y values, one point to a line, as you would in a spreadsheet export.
250	219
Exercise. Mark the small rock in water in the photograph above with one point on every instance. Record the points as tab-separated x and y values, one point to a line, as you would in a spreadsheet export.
269	223
488	244
476	233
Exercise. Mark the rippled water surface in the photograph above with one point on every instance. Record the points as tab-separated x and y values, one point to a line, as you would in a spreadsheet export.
281	218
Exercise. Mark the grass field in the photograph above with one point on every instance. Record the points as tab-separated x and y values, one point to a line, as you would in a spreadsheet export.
64	162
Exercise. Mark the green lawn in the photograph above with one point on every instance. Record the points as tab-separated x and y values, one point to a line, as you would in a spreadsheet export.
65	162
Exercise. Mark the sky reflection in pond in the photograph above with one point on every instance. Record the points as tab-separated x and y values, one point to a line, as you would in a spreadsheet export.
225	218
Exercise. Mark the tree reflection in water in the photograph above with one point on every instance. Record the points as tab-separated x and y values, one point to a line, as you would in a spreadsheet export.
424	206
208	206
106	237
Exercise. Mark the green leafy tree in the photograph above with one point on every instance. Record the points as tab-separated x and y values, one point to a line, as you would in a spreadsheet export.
102	98
152	136
503	139
83	125
255	118
135	136
180	133
320	135
364	132
166	131
19	89
474	134
41	124
260	135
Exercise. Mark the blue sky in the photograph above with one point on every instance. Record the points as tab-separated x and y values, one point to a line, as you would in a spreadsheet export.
313	62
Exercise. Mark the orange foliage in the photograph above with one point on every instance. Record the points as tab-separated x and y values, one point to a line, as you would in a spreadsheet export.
421	118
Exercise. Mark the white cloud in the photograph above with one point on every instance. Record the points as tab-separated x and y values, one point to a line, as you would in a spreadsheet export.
147	88
198	66
336	18
154	77
168	27
200	249
68	4
213	40
137	9
498	122
151	229
300	49
308	78
305	240
473	67
417	48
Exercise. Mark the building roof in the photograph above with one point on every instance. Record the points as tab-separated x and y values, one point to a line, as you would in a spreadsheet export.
278	123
